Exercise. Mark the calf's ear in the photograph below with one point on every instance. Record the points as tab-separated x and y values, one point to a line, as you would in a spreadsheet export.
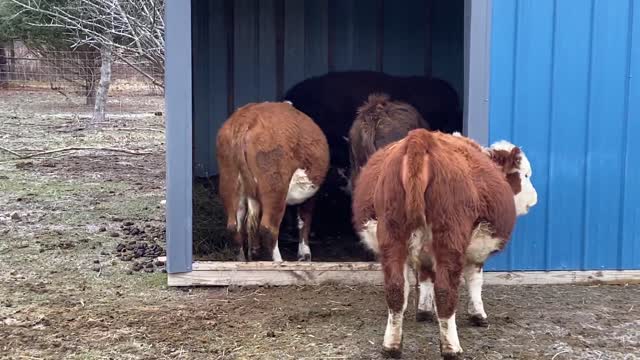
513	160
508	160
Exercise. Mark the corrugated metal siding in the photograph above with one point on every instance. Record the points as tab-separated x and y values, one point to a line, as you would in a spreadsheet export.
563	88
254	50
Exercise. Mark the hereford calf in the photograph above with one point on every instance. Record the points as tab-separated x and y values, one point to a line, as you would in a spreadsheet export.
432	202
517	170
270	155
379	122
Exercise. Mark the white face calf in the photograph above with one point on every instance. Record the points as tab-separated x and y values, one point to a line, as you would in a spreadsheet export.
519	172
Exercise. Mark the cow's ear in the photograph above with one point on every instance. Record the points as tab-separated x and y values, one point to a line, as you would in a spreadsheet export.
513	161
499	157
507	160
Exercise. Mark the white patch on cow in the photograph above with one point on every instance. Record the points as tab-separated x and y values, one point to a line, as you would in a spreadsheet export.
368	235
482	244
474	280
457	133
241	213
425	300
393	332
276	253
300	223
528	196
253	216
300	188
415	245
288	102
242	206
303	250
449	335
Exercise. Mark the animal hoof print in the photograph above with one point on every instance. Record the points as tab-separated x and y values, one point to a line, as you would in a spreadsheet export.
479	321
424	316
390	353
305	257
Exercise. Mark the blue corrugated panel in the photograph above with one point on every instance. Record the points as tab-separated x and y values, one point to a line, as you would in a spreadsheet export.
562	87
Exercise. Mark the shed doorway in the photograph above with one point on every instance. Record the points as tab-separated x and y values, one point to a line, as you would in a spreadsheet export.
249	50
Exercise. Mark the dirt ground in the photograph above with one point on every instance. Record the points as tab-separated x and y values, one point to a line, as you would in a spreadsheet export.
64	294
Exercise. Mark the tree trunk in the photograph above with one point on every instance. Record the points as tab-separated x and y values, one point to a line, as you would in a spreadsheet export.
103	87
4	68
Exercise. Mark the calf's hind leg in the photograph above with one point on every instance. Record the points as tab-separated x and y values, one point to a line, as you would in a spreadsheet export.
424	311
448	271
305	214
234	203
473	279
273	207
393	258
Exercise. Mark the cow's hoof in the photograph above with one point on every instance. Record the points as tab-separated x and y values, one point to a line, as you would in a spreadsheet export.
424	316
479	321
304	257
452	356
391	353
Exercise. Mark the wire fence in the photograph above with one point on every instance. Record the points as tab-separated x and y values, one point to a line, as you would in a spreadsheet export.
71	72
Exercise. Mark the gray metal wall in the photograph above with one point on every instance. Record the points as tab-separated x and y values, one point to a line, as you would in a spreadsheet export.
254	50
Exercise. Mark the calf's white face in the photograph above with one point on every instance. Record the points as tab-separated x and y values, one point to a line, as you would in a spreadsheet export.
525	195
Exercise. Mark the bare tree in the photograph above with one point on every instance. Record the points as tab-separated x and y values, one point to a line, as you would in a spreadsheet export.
129	30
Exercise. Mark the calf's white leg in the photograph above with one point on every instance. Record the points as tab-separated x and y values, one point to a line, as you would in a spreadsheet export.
392	344
425	301
474	280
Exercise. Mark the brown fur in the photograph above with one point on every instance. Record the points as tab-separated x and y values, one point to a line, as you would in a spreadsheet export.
263	144
431	180
380	121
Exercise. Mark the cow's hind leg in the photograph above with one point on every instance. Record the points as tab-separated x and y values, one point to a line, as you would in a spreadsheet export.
234	202
273	207
305	215
424	310
473	278
393	258
448	272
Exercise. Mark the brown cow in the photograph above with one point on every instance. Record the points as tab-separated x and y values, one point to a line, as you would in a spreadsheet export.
435	203
379	122
518	174
270	155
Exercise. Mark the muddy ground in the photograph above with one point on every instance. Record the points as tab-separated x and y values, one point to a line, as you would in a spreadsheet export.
65	295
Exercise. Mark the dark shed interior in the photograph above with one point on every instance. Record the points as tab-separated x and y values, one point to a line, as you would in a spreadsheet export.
255	50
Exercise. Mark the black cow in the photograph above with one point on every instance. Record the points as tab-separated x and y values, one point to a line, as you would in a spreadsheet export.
332	100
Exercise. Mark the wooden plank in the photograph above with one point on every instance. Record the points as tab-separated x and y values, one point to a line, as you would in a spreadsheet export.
285	266
273	278
364	273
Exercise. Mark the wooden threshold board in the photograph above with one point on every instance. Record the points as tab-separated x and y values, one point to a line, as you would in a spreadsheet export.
215	273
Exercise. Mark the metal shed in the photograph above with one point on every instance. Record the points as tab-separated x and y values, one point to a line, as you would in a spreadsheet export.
554	77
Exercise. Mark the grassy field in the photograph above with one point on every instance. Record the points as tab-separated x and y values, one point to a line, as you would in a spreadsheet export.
65	293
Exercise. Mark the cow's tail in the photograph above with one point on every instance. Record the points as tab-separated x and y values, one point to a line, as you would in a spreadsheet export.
249	187
371	113
249	183
415	175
